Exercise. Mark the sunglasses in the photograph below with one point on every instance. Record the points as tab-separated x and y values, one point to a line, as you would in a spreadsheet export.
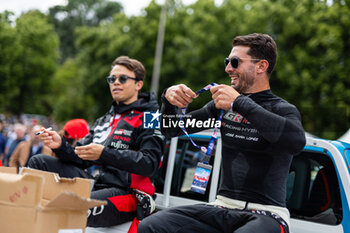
235	61
122	78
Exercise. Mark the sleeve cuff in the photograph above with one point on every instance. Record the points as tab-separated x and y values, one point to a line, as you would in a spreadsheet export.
62	147
164	100
234	103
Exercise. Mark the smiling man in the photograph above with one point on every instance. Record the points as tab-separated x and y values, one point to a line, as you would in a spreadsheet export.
126	153
260	134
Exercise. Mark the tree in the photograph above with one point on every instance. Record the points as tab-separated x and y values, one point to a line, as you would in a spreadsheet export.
30	61
9	50
79	13
68	98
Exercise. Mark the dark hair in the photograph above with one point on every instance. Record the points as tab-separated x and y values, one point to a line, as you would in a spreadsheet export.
131	64
262	46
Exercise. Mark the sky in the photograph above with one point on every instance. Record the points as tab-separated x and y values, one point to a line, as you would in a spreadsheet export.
131	7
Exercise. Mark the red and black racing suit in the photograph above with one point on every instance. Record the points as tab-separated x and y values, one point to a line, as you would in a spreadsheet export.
260	135
131	155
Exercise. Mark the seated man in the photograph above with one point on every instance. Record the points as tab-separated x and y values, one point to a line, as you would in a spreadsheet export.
26	149
127	153
260	134
20	131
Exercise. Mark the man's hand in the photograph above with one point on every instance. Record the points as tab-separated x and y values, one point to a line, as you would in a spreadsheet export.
89	152
50	138
223	96
180	95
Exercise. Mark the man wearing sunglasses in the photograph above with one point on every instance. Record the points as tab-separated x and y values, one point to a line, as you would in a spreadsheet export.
126	153
260	134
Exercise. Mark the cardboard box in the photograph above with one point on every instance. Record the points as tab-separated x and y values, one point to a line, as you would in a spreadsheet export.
11	170
57	184
42	202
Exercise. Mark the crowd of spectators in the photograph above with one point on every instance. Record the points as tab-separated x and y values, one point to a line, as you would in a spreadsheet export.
18	142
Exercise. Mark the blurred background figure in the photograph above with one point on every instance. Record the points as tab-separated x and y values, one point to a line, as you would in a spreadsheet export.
74	130
26	149
20	131
2	141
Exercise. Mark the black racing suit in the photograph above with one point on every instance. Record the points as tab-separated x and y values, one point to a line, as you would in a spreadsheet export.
260	135
130	156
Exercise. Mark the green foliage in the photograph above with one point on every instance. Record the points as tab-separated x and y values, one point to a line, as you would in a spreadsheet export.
311	71
28	62
68	96
10	51
66	18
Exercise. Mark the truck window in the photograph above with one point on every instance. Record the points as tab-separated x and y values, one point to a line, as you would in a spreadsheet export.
313	190
187	157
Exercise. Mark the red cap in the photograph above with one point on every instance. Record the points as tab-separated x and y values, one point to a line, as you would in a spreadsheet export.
76	128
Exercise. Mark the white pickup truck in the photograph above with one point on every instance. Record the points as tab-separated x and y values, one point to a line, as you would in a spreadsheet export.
318	188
